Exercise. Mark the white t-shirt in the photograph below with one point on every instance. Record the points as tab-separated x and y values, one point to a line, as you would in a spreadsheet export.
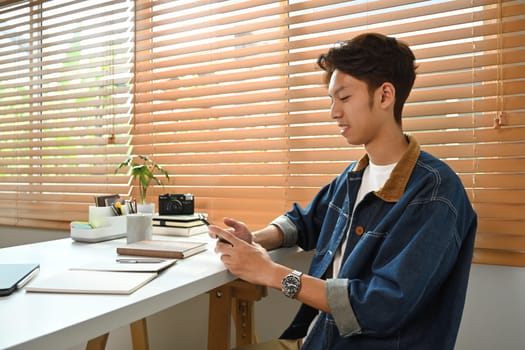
374	177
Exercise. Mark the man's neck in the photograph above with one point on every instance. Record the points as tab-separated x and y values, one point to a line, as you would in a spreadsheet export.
387	149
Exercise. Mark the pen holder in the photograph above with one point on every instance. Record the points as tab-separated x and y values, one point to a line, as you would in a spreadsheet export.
104	216
100	216
105	226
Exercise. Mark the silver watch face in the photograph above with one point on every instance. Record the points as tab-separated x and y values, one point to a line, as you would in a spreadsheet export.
290	285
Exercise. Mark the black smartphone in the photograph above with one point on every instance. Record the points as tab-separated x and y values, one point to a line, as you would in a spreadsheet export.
224	241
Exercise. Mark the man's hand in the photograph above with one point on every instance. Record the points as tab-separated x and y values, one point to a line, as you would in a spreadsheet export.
238	228
241	256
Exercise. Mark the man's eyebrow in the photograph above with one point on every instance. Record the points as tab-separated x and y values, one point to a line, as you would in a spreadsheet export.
337	91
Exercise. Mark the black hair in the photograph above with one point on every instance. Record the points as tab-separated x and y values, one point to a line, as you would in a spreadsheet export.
375	59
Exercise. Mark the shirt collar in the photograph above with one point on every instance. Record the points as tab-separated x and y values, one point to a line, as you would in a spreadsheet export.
395	185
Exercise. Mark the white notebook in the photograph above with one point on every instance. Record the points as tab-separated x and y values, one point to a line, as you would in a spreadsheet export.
91	282
133	264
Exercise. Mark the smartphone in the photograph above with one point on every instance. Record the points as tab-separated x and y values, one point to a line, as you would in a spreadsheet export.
224	241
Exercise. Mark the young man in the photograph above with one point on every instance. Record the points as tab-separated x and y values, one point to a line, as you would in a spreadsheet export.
393	234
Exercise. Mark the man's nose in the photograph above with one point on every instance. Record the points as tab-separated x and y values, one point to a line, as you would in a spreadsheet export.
335	111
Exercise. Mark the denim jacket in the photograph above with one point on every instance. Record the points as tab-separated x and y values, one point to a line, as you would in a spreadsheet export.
404	275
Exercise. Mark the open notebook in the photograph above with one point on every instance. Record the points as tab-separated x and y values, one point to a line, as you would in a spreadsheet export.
91	282
101	277
132	265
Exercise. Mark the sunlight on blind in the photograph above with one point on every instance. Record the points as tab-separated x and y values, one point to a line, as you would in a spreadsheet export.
65	99
230	98
211	101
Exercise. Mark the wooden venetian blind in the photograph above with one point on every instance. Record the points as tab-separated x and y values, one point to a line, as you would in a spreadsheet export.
65	103
229	99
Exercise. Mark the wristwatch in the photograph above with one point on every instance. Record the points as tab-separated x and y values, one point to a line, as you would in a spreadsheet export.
291	284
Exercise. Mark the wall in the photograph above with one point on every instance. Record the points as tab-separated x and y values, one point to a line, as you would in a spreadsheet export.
494	315
10	236
493	319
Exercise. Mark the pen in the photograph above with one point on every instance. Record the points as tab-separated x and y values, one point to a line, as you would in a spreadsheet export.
114	209
140	261
118	207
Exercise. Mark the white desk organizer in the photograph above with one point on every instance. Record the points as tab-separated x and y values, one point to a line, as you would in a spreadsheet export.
106	225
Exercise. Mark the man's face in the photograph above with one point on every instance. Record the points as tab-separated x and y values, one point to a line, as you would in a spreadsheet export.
354	110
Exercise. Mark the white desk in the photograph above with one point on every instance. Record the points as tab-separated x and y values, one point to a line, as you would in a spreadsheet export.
58	321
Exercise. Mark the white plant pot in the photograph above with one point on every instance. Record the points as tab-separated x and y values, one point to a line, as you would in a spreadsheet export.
146	208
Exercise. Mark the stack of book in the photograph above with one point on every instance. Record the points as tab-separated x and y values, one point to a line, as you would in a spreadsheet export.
180	225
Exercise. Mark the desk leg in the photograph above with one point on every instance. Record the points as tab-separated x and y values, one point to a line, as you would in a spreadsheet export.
98	343
219	324
139	335
233	300
243	318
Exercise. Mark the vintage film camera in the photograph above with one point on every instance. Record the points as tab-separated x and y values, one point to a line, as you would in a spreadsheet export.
176	204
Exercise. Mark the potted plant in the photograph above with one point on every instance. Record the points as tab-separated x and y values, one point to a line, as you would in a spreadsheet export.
143	169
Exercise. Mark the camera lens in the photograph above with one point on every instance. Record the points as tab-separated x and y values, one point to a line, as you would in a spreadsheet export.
174	206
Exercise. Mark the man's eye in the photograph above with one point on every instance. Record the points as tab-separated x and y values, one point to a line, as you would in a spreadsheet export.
344	98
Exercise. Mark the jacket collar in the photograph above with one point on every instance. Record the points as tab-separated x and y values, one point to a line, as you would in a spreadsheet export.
395	185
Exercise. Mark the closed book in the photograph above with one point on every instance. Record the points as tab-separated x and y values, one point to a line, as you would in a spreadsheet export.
161	222
181	218
163	249
179	231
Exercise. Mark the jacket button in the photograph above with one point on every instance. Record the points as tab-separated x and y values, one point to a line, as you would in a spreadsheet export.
359	230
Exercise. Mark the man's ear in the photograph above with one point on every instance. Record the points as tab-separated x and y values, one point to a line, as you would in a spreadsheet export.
387	94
